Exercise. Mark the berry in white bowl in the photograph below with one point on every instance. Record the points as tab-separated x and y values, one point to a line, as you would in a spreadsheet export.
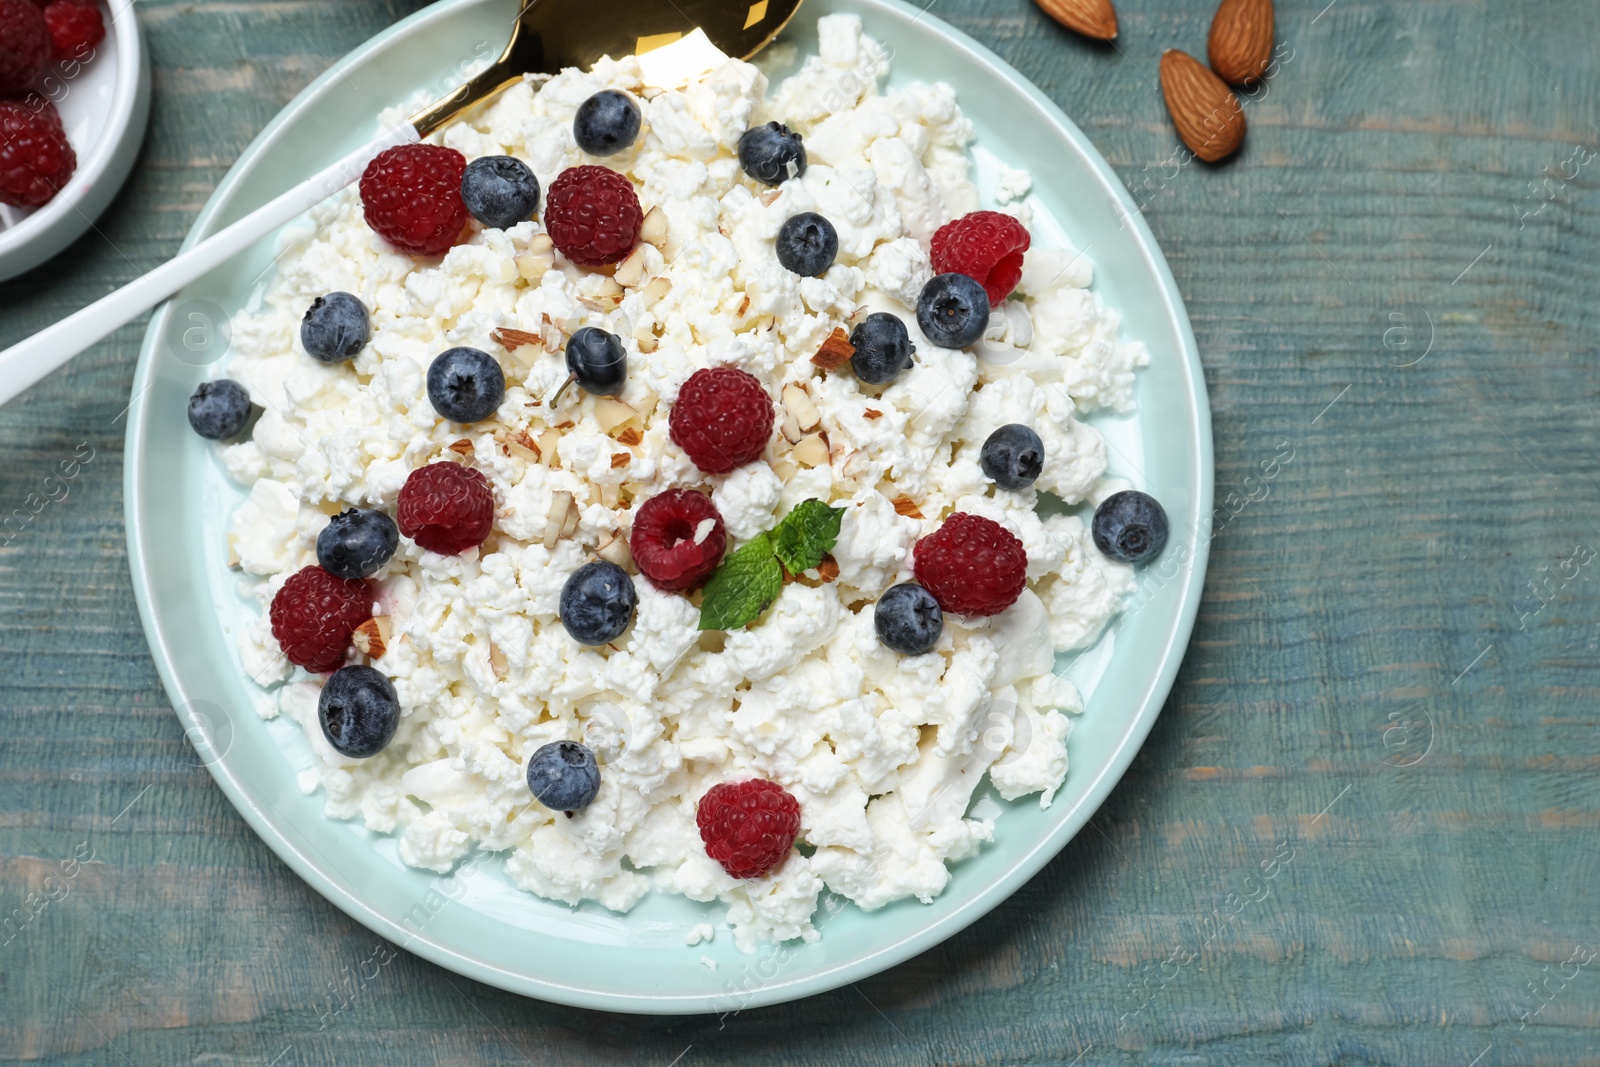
93	94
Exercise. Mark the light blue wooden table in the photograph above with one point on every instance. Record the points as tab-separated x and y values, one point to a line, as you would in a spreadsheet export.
1390	700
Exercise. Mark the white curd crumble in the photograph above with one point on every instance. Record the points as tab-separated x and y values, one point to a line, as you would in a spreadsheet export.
882	751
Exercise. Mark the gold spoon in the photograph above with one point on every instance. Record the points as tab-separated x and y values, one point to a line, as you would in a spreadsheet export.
547	36
544	43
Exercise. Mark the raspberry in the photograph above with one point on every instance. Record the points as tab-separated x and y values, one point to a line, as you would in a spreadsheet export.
35	158
24	45
664	544
593	216
748	827
723	419
412	196
985	245
75	28
314	615
972	565
446	508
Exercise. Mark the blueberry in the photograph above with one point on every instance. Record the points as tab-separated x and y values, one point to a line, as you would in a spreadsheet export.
597	361
1013	456
772	154
335	328
1130	526
564	776
219	410
883	348
359	711
500	191
466	384
356	543
597	603
953	310
908	619
808	244
607	123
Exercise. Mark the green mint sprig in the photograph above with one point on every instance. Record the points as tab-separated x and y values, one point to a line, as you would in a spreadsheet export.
749	580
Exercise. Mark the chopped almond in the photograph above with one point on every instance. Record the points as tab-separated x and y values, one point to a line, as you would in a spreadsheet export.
546	447
614	549
828	568
562	506
904	505
372	637
797	402
517	443
835	351
812	451
611	413
653	231
511	340
630	272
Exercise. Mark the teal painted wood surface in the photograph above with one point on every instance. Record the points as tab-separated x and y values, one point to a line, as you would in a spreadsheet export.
1389	706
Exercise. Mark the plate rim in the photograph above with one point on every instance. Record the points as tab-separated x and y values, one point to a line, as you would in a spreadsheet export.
937	930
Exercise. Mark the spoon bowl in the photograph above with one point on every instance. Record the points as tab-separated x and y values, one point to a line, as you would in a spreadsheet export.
551	35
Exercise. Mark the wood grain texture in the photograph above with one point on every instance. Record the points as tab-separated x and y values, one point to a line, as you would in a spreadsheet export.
1369	685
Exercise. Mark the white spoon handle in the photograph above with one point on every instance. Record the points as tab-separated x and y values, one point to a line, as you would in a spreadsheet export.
27	361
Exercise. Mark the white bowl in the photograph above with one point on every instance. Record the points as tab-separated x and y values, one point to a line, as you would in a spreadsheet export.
104	104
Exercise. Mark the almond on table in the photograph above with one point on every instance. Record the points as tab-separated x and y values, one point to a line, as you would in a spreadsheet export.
1092	18
1208	117
1240	43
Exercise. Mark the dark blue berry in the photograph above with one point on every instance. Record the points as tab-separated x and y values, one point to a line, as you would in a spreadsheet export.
500	191
883	348
607	123
953	310
1013	456
597	603
563	776
808	244
772	154
336	328
219	410
466	384
1130	526
597	361
359	711
356	543
908	619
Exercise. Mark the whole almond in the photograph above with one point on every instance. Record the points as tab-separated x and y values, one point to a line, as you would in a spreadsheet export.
1092	18
1205	111
1240	45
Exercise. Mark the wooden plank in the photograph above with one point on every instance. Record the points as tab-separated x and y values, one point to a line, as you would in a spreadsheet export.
1368	685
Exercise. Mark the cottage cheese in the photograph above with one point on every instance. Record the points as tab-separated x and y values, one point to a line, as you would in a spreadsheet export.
884	752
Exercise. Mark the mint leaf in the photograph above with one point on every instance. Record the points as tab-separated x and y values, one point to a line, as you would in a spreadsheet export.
741	588
806	534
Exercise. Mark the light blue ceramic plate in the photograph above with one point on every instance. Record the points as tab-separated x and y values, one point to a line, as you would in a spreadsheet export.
476	923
